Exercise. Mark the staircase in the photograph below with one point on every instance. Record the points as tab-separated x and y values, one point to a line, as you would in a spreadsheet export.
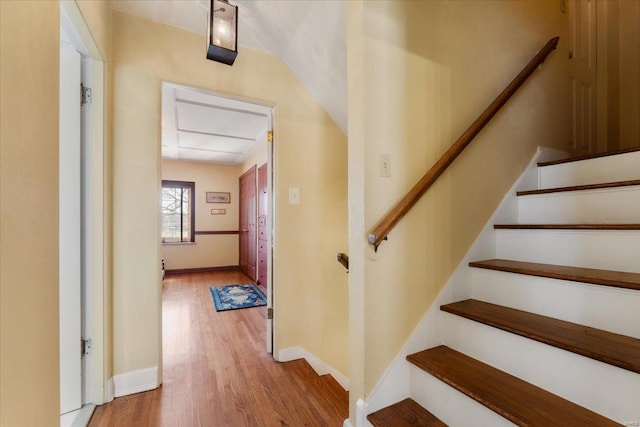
550	333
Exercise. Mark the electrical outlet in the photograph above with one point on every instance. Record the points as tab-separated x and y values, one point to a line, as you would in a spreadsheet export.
385	165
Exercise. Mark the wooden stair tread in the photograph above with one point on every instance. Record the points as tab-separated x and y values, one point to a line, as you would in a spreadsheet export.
580	187
514	399
567	226
587	157
405	413
619	279
615	349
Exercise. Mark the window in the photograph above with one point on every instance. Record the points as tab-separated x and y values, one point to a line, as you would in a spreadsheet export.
178	211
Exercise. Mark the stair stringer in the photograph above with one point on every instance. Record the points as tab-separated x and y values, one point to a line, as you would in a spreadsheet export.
395	385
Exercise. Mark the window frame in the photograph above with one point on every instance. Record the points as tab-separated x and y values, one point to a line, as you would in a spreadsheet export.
192	206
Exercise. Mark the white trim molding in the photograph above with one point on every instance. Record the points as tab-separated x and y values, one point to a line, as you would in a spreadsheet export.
361	414
135	381
321	367
78	418
109	391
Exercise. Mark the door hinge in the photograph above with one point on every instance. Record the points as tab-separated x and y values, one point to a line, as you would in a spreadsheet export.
270	136
269	313
85	94
85	347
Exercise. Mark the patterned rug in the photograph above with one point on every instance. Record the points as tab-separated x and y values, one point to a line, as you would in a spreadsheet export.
233	297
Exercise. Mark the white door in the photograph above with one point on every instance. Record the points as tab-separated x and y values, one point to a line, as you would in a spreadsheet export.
70	230
582	72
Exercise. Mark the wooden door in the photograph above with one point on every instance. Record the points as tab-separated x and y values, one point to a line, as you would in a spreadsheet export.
262	225
247	207
582	73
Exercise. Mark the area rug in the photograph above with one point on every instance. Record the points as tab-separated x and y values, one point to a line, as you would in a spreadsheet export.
233	297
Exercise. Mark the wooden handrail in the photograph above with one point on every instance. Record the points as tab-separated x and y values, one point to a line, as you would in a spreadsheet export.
386	224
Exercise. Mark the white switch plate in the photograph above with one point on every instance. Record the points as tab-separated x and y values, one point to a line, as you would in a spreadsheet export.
385	165
294	196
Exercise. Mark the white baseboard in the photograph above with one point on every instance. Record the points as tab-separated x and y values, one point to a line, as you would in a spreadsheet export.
135	381
79	418
318	365
109	391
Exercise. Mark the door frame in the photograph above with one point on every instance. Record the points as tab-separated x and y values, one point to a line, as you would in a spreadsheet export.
271	337
606	30
268	109
95	195
70	225
602	11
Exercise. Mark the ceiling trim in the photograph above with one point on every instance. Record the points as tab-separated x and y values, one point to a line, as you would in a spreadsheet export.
219	107
216	134
209	127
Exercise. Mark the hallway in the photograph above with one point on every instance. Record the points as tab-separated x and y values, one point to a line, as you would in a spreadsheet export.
217	372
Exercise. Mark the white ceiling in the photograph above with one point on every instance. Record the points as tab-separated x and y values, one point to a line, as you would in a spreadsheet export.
202	127
308	35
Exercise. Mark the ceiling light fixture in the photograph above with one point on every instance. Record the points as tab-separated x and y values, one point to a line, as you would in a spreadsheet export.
223	32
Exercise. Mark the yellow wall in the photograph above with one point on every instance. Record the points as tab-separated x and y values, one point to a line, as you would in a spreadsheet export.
421	73
97	16
29	85
311	291
209	250
257	158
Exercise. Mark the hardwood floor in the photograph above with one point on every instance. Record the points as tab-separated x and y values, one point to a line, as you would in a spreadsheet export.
217	371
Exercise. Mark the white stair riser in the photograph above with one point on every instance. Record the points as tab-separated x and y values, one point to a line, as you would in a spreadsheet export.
610	206
607	250
451	406
611	309
604	389
625	167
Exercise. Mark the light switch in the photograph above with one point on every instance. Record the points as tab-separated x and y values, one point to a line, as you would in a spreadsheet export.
294	196
385	165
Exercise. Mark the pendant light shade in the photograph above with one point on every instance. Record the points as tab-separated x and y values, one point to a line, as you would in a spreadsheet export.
223	32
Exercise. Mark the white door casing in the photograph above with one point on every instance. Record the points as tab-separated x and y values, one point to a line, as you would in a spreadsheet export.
70	230
270	229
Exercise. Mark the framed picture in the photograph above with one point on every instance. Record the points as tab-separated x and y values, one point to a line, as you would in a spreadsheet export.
218	197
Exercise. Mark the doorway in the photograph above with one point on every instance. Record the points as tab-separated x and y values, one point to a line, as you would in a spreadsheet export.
604	57
619	72
216	142
82	220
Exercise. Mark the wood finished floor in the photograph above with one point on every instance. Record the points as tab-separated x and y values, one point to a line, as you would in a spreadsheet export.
217	371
